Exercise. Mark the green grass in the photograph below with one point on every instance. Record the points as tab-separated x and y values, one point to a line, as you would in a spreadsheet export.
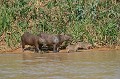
94	21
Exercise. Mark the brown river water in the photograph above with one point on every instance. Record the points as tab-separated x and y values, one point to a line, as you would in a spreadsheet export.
80	65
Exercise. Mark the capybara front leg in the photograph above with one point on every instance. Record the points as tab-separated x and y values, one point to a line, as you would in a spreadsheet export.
23	47
58	49
40	46
54	48
37	48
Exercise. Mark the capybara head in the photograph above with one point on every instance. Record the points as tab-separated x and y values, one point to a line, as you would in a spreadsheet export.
65	37
80	45
89	46
72	48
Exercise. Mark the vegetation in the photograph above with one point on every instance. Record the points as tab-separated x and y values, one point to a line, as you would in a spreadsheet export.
94	21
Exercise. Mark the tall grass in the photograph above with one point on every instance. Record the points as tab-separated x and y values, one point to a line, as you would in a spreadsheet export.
94	21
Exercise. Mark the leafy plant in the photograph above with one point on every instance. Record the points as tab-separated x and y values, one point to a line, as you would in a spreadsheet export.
94	21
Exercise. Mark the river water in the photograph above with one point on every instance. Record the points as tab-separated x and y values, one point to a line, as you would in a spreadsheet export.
81	65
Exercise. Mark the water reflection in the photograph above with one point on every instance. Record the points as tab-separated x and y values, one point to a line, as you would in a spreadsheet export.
83	65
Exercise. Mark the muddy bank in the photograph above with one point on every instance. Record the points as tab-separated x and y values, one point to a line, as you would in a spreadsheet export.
19	50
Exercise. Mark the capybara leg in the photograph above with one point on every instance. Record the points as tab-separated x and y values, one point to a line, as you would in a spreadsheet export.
23	47
37	48
76	49
40	46
58	49
68	51
54	48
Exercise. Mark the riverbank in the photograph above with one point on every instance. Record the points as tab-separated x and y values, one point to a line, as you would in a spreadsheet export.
18	50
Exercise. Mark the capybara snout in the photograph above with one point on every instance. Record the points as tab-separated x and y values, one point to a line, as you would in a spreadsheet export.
30	39
65	37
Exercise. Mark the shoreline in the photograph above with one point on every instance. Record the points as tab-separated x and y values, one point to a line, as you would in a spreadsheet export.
18	50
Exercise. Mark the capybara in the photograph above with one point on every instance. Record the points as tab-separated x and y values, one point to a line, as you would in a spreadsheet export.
84	45
72	48
54	40
30	39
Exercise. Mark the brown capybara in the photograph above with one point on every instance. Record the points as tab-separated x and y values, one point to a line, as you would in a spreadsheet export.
84	45
30	39
54	40
72	48
51	40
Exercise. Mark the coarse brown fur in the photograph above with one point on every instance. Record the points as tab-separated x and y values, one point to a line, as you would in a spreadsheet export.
54	40
84	45
72	48
79	45
30	39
